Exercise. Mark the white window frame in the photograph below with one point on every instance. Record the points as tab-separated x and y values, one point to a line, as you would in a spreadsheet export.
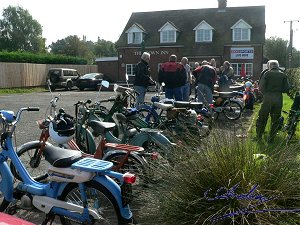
168	33
203	32
238	66
130	69
135	37
241	31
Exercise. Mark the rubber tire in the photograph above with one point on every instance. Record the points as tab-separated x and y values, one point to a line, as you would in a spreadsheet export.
232	104
38	177
291	131
54	78
133	165
69	86
81	89
149	117
106	196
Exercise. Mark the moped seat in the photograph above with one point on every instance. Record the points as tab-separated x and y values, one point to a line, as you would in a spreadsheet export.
101	127
189	105
61	157
163	106
225	94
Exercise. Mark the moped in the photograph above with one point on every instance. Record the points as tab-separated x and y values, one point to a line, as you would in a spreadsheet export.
79	190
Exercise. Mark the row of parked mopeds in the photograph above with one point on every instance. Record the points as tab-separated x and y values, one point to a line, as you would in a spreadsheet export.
82	168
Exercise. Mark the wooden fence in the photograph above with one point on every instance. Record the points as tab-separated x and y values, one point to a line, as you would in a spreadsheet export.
33	75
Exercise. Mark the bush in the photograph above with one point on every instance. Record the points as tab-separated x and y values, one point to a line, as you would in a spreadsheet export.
224	181
26	57
294	80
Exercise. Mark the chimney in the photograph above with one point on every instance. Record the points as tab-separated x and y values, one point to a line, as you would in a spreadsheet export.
222	4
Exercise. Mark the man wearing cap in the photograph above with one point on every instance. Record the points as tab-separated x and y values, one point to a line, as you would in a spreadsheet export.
272	84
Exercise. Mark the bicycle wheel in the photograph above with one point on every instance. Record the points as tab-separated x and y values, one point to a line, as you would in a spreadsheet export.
291	130
98	198
132	165
232	110
148	116
35	165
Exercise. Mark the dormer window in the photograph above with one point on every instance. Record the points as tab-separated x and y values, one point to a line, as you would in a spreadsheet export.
168	33
241	31
135	34
203	32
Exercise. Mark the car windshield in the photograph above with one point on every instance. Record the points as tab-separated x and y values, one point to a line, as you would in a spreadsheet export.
89	75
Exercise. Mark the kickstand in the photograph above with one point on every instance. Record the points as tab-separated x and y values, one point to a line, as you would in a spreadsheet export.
49	218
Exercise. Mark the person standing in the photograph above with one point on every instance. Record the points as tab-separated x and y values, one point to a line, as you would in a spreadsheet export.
142	78
228	71
186	89
173	75
205	79
272	84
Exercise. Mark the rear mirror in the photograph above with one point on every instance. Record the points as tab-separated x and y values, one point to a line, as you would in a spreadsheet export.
163	84
126	77
105	83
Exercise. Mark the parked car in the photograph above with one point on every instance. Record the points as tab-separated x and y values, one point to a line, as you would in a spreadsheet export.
89	80
6	219
62	78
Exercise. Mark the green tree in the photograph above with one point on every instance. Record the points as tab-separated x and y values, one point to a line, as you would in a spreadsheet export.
20	32
104	48
276	48
73	46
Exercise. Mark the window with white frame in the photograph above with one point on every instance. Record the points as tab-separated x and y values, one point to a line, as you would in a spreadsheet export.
135	37
130	69
168	33
135	34
241	31
203	32
242	68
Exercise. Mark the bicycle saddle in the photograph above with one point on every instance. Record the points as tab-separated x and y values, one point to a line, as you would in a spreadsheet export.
61	157
189	105
163	106
100	128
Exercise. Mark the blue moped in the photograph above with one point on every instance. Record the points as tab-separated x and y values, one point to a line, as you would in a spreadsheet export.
78	190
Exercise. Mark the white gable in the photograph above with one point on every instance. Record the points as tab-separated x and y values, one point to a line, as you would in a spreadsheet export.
167	26
134	28
241	24
203	25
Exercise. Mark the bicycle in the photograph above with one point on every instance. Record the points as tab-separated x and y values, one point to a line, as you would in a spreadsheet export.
79	190
291	126
32	153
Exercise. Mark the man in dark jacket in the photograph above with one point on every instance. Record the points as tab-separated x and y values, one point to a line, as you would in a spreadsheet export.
272	84
142	78
205	79
174	76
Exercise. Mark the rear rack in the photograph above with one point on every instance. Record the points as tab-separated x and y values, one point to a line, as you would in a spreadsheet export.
92	165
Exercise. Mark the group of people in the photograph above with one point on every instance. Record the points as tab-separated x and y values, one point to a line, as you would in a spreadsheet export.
177	78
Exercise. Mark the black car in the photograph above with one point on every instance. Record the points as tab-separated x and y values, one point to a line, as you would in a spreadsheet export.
89	80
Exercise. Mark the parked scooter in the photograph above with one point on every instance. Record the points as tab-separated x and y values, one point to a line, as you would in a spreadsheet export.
79	189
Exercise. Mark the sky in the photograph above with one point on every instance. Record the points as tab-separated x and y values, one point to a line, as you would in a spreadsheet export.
107	19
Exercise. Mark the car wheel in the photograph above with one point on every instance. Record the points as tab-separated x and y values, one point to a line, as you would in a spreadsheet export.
69	86
54	78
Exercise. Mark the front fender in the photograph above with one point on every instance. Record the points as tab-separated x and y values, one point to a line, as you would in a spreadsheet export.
115	190
6	182
155	136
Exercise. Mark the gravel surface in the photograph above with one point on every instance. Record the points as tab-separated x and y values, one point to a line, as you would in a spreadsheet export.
28	130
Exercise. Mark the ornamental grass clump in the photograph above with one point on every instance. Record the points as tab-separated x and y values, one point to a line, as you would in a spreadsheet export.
224	180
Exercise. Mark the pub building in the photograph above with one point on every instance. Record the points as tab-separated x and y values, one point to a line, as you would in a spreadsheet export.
234	34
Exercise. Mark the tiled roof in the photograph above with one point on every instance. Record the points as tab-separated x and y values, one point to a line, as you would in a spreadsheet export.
186	20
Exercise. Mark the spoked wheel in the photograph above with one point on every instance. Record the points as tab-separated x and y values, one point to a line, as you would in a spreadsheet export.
291	131
232	110
132	165
99	199
35	165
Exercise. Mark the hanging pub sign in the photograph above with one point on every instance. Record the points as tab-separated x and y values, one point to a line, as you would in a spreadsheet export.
242	53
